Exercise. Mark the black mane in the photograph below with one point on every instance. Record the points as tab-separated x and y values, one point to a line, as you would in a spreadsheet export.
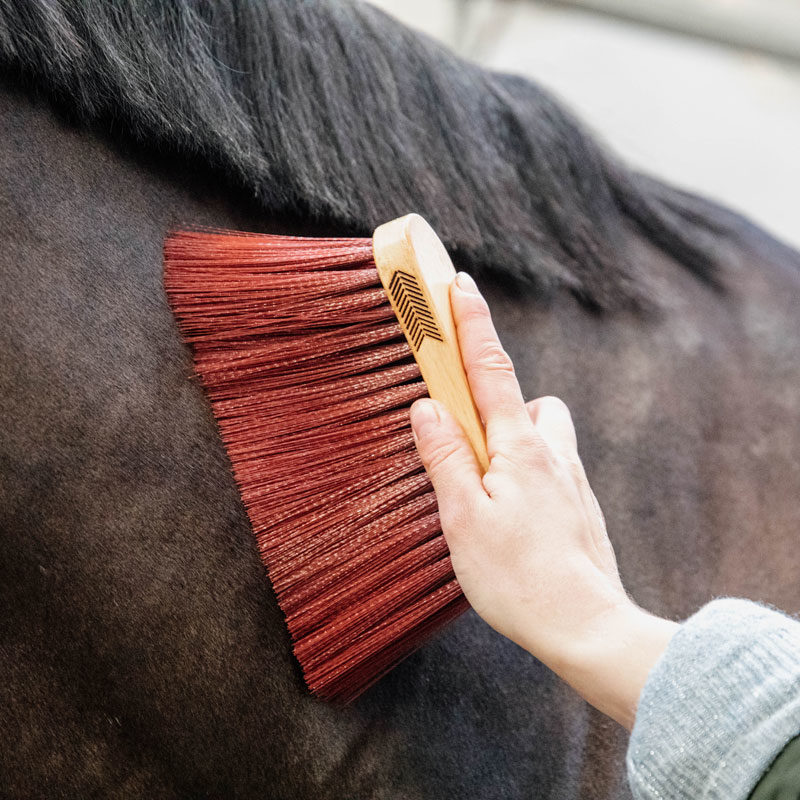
333	110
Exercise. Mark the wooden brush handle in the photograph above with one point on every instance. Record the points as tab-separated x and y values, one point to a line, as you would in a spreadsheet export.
416	273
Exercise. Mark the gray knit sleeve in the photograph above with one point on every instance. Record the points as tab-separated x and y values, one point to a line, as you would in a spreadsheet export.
718	706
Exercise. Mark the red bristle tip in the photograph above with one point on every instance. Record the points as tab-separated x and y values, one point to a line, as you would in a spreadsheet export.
310	379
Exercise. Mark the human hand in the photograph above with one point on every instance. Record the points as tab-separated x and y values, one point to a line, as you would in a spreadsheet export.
528	541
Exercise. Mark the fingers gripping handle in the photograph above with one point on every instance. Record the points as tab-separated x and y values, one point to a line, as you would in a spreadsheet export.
416	273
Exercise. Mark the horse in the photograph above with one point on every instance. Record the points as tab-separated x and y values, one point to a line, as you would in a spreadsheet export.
142	652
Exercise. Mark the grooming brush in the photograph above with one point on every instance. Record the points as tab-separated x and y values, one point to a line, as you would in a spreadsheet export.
311	351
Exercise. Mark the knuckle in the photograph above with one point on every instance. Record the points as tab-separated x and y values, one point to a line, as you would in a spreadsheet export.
522	446
490	356
536	455
527	443
526	453
575	471
440	454
556	403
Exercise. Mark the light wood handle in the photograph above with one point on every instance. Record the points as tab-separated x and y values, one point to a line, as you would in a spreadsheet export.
416	273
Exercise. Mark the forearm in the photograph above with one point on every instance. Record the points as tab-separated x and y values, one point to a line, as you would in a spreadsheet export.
608	662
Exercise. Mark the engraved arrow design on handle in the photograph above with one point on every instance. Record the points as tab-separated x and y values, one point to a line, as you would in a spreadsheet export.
413	309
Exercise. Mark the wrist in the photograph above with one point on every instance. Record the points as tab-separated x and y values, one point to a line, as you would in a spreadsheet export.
609	663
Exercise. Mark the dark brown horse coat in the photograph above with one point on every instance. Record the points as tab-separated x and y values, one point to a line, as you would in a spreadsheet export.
141	649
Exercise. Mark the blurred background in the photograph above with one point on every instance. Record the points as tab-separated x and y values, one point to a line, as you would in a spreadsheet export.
702	93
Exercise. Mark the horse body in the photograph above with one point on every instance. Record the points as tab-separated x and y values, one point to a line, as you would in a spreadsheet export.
142	652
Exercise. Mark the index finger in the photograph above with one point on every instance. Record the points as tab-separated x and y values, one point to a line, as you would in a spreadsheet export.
490	372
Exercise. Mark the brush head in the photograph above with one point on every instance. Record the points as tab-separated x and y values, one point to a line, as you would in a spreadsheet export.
310	378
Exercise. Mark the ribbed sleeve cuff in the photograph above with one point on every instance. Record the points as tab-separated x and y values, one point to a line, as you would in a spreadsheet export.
718	706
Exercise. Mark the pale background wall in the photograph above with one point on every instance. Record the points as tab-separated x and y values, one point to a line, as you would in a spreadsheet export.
720	120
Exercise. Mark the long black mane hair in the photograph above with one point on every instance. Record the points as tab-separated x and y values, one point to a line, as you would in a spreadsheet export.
334	112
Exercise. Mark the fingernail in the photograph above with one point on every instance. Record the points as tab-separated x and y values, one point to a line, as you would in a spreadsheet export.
466	284
424	416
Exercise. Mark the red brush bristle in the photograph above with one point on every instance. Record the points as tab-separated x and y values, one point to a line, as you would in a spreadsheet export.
310	379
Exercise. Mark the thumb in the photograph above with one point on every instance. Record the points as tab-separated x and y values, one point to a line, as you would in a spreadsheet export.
447	455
